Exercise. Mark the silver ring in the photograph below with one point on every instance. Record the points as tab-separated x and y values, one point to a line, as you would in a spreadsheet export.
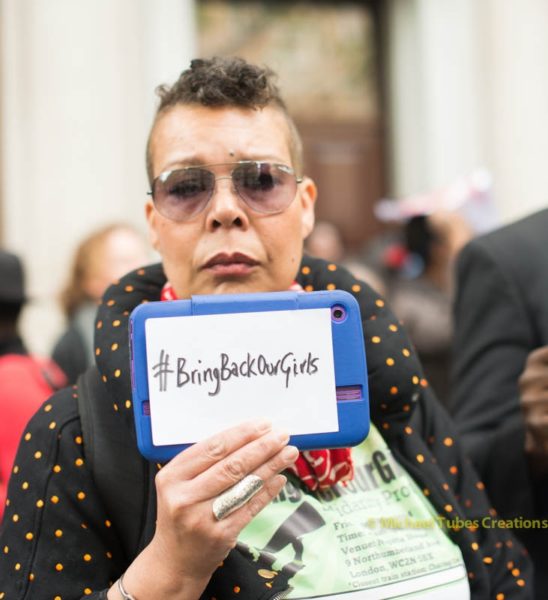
236	496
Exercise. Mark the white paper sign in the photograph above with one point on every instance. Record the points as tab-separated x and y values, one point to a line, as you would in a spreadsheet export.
210	372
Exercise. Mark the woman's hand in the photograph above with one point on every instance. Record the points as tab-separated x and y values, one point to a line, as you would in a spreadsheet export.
189	542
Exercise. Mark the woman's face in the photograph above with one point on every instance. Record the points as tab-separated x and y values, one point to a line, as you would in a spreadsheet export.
227	248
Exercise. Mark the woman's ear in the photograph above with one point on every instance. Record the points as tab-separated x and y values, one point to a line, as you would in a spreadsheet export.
151	216
307	195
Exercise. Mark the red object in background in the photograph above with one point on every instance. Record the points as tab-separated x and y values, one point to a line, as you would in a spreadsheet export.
25	383
395	256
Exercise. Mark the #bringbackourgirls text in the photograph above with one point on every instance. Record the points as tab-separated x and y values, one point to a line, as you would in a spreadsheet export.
288	366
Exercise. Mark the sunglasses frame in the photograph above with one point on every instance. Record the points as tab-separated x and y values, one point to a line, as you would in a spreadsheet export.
164	175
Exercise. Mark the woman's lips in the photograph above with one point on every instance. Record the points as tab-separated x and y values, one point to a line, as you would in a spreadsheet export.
236	264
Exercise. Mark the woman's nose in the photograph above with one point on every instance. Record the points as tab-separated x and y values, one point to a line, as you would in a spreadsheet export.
226	208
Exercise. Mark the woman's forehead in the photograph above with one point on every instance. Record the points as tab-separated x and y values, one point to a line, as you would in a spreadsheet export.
188	134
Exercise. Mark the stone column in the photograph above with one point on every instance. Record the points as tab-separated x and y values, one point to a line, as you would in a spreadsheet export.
436	91
77	99
518	100
468	87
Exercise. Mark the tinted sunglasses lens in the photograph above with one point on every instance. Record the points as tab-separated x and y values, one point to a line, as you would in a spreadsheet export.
265	187
184	193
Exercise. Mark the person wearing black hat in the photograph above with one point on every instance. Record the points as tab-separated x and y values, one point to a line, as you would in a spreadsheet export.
12	298
25	381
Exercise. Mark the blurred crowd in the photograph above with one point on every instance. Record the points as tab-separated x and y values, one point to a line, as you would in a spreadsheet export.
411	263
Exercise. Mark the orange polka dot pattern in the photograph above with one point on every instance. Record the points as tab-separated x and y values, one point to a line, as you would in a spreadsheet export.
47	553
57	541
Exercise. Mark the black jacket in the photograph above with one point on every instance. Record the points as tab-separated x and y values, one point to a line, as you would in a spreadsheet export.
73	549
501	315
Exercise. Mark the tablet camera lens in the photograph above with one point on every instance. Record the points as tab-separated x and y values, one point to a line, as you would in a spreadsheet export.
338	313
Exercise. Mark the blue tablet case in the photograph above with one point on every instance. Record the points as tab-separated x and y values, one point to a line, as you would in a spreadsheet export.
348	351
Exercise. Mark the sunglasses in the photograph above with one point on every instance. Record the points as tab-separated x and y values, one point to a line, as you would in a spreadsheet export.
265	187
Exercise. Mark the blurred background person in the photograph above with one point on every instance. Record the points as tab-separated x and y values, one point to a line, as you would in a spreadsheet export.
420	266
421	291
325	241
25	381
100	259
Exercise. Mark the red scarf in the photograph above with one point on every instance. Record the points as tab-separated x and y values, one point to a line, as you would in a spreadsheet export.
316	468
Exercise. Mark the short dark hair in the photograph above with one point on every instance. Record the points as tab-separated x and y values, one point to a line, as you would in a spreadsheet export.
226	82
222	81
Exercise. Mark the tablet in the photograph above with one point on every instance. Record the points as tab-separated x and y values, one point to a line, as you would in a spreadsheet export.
202	365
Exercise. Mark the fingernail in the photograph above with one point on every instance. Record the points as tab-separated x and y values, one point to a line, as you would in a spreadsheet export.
290	453
283	436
